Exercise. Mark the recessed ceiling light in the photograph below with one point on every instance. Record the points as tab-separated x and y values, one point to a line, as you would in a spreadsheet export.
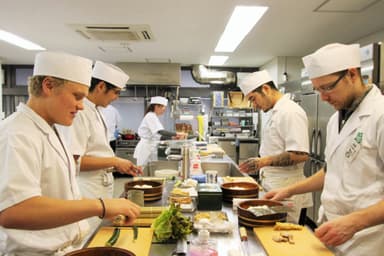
243	19
18	41
217	60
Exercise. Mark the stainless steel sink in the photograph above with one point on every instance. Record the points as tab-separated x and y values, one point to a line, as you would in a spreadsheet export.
224	166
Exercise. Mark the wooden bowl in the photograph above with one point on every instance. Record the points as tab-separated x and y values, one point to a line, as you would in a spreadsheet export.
249	219
239	189
153	193
101	251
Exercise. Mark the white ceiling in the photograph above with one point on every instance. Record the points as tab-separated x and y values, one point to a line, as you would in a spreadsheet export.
187	32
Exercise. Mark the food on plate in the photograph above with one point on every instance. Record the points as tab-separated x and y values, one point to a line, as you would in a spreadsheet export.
287	226
261	210
179	192
143	186
210	215
180	199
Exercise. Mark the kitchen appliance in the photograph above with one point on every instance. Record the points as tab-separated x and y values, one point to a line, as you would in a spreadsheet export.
125	149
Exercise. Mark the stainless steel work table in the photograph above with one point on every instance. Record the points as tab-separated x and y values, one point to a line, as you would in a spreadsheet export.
225	242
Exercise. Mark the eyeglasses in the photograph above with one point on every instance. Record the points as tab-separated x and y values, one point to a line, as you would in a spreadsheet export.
332	86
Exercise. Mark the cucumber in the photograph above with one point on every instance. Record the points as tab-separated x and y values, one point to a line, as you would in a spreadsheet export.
114	237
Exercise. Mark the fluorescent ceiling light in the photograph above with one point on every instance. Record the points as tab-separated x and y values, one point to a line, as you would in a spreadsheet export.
241	22
18	41
217	60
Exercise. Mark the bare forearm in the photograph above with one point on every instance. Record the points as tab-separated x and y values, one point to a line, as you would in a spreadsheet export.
43	213
368	217
285	159
90	163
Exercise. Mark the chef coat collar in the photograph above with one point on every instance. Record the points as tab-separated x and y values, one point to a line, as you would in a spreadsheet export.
41	122
280	102
344	114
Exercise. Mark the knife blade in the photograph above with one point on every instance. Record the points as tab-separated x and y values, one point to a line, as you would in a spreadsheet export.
244	240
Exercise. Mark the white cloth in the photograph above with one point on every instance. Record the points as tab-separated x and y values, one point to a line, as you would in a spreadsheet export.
110	73
286	130
112	120
145	150
159	100
88	137
35	163
63	65
332	58
355	171
254	81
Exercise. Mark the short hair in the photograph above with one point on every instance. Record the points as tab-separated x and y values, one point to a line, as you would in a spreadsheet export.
96	81
35	84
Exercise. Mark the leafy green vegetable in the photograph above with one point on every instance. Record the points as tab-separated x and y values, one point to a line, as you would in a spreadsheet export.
171	224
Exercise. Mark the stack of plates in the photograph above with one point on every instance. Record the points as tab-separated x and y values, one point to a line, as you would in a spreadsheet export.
153	190
247	218
239	190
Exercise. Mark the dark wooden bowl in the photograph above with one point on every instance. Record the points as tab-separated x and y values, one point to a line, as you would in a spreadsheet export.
239	190
249	219
101	251
150	194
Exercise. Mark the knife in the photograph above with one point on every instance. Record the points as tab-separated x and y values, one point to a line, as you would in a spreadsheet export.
244	240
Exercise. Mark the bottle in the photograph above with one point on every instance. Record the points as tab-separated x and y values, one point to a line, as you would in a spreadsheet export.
202	245
195	165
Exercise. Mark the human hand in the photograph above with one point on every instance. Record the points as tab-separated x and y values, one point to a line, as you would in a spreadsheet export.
277	194
181	136
250	165
125	166
121	207
337	231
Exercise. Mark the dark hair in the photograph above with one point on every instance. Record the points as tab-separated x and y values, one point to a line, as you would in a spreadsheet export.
339	73
271	85
151	108
96	81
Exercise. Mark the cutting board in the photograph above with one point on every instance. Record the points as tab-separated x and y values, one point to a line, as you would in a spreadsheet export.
305	243
139	247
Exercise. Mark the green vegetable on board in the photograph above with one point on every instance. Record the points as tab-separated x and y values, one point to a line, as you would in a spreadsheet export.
114	237
171	224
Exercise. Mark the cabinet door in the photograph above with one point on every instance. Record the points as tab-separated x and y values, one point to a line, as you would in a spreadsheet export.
248	150
229	147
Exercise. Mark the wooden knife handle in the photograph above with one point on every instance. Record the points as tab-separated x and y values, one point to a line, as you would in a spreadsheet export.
243	234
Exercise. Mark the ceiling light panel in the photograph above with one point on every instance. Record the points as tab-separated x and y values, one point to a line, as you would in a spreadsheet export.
243	19
19	41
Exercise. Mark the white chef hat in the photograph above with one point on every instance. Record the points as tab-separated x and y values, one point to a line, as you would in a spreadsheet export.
332	58
254	80
110	73
159	100
63	65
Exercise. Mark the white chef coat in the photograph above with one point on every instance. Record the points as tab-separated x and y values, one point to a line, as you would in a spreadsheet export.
89	137
286	130
112	120
35	163
145	150
355	171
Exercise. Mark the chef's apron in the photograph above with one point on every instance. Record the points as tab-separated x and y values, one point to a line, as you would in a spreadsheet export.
278	177
145	152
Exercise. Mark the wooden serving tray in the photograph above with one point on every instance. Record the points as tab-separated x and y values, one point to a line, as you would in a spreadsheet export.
140	247
305	243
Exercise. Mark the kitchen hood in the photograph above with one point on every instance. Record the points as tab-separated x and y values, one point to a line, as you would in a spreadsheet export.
167	74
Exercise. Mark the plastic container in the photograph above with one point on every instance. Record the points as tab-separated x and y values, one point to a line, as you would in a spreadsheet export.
202	245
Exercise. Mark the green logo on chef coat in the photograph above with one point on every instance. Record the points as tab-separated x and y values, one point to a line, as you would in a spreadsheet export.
354	147
359	137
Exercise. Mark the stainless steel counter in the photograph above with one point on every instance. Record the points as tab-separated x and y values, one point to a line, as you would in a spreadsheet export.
225	242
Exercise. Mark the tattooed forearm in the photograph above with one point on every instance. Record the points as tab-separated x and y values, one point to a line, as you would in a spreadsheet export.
288	158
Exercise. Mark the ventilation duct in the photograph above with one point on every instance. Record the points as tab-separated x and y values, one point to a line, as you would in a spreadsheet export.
204	75
167	74
135	32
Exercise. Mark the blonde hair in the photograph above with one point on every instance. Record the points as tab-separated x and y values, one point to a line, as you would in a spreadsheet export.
35	84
